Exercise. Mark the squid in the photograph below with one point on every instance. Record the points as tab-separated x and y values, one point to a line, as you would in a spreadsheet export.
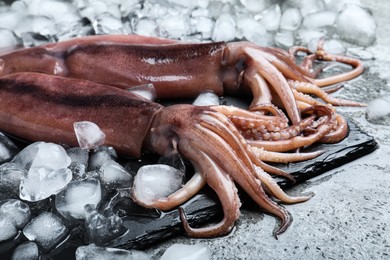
45	89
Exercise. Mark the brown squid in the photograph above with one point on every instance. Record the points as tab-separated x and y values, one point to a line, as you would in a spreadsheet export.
88	79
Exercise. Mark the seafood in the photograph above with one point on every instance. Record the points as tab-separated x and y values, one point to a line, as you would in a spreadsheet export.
93	78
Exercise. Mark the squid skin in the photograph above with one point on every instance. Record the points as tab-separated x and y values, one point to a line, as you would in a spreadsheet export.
36	106
131	61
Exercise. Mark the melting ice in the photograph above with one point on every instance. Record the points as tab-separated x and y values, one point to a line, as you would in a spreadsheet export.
89	135
156	181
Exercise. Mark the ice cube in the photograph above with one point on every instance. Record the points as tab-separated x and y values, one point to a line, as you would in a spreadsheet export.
9	20
8	149
320	19
174	26
17	210
378	108
249	29
114	175
271	18
291	19
108	24
8	39
89	135
26	251
306	36
334	47
360	53
306	6
92	252
102	229
42	182
145	90
79	161
187	252
51	156
206	99
71	201
11	175
100	156
284	39
8	227
255	6
156	181
54	9
47	230
356	25
146	27
203	25
224	28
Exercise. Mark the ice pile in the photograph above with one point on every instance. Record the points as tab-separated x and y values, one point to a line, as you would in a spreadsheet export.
264	22
156	181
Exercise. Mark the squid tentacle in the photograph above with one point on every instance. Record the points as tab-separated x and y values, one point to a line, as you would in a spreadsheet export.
190	189
310	88
299	141
276	157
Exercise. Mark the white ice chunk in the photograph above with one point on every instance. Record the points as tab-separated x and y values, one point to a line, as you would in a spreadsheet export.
284	39
11	175
291	19
16	209
101	229
8	39
147	27
47	230
113	174
224	28
26	251
57	10
106	24
8	227
92	252
187	252
71	201
51	156
41	154
356	25
206	99
306	6
9	20
100	156
42	182
249	29
255	6
271	18
334	47
203	25
360	53
156	181
379	107
320	19
145	90
89	135
174	26
307	36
